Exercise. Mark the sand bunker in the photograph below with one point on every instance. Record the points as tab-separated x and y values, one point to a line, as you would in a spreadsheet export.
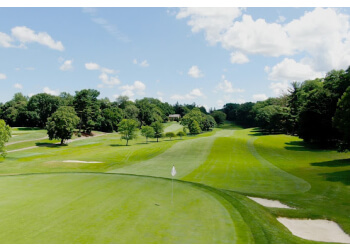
269	203
73	161
317	230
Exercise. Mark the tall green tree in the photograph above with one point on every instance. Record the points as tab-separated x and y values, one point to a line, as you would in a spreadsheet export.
341	120
194	127
109	119
127	129
62	123
219	116
158	129
88	108
5	135
40	107
147	131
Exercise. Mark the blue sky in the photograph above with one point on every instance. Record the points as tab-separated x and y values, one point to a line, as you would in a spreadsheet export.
209	56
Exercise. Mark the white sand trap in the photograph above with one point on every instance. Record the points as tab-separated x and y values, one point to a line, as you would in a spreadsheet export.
73	161
317	230
270	203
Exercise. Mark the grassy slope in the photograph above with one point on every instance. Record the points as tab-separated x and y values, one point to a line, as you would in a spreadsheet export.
328	173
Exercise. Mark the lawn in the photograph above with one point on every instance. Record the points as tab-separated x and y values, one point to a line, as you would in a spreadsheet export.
131	185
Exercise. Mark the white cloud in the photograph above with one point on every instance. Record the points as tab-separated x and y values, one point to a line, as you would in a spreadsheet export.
280	19
105	77
322	35
290	70
47	90
259	97
279	88
226	86
144	63
214	21
107	71
67	65
129	90
92	66
239	57
194	93
26	35
2	76
18	86
5	40
195	72
109	80
160	93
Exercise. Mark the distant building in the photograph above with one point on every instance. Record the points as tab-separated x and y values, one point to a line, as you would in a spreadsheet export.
174	117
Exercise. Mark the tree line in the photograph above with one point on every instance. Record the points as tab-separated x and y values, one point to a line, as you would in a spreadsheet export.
84	111
318	111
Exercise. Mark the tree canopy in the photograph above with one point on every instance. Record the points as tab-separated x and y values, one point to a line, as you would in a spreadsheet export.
5	135
62	123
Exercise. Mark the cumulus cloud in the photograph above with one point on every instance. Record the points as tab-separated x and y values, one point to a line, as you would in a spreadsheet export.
5	40
259	97
227	86
67	65
290	70
92	66
47	90
18	86
239	58
279	88
107	80
194	93
129	90
26	35
195	72
2	76
322	36
214	21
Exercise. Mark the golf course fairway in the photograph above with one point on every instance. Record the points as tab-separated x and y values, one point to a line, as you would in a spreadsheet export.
97	190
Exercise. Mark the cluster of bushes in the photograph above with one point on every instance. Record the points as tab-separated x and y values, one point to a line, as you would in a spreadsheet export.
318	111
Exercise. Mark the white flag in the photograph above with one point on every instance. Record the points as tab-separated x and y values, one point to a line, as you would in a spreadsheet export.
173	171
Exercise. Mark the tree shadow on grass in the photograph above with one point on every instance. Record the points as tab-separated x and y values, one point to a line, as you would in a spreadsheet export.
28	128
257	132
119	145
303	146
341	176
334	163
49	145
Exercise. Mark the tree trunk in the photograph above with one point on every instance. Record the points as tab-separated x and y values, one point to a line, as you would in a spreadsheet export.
62	141
127	142
157	139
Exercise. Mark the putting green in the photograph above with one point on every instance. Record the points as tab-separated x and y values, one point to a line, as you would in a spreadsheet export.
110	208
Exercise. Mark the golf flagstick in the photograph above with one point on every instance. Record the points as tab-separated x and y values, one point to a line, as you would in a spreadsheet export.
173	173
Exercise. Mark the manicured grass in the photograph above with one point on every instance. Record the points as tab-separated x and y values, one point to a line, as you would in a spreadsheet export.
219	167
24	134
102	208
